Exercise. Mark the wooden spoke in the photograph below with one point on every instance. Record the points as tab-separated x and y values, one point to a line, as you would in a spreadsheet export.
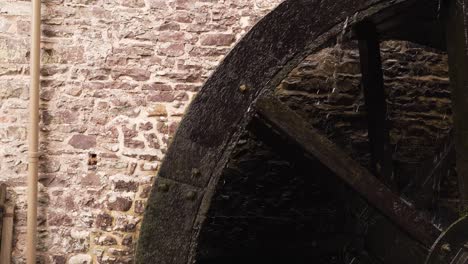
376	105
457	49
299	132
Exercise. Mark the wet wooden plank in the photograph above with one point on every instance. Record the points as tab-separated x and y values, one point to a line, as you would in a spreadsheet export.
417	21
300	132
3	193
177	206
376	104
7	234
456	15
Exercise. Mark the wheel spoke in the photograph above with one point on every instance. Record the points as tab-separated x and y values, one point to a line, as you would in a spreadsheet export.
457	49
290	125
376	105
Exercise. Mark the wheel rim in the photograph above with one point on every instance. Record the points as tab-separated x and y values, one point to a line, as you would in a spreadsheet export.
186	181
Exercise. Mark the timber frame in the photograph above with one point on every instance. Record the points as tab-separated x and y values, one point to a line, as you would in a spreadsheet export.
225	106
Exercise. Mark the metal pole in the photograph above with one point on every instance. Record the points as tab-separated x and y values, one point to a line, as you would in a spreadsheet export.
33	134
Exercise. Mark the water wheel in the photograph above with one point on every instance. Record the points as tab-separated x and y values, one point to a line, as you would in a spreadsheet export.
248	179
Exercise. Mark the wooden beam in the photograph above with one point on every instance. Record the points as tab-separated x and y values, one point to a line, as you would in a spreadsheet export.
7	234
376	104
3	192
6	218
457	49
273	113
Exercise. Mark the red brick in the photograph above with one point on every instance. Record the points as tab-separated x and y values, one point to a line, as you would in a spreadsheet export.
217	39
83	141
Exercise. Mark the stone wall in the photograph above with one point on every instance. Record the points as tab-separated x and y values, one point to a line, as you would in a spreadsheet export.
117	76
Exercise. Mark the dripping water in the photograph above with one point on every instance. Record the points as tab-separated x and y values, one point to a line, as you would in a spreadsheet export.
339	54
438	8
357	108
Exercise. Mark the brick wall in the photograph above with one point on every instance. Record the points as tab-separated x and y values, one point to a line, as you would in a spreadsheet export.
117	76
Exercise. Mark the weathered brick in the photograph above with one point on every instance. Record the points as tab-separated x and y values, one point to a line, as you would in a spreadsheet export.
91	179
158	4
127	186
161	96
172	26
126	223
133	3
158	110
146	126
157	87
80	259
134	144
152	140
104	221
59	259
105	240
119	204
59	219
219	39
129	132
172	49
127	240
82	141
140	207
134	73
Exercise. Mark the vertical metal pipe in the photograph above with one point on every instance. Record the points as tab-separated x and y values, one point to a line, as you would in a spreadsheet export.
33	134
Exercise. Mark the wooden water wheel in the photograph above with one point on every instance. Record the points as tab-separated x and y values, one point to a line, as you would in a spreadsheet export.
222	196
